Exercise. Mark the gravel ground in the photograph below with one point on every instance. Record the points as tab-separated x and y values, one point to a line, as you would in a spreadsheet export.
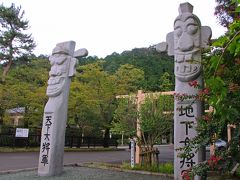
83	173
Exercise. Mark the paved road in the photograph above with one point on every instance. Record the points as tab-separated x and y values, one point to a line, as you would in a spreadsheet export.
13	161
82	173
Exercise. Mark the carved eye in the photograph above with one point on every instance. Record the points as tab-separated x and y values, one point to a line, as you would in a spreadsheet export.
52	60
61	60
178	32
192	29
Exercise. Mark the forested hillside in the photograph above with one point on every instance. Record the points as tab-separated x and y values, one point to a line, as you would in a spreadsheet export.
153	64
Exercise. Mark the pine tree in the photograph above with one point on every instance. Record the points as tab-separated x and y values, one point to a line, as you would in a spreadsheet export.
14	42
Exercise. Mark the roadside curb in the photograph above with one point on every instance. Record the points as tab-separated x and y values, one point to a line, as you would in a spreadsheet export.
17	170
35	168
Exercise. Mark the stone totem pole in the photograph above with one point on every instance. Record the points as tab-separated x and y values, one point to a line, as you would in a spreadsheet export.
185	43
63	64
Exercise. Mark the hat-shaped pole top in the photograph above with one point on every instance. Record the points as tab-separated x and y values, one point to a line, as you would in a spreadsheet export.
185	8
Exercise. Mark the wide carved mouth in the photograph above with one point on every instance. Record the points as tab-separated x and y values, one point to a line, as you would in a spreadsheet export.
186	71
55	86
54	80
187	65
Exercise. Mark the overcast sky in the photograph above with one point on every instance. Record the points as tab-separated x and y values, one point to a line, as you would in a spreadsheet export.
107	26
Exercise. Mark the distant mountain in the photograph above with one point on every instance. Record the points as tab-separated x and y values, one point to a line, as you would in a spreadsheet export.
153	64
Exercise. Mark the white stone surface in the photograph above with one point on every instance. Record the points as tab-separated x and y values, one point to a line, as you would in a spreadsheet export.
161	47
185	43
81	52
55	112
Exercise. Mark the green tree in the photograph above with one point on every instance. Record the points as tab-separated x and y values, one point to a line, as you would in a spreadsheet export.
93	95
27	96
14	42
156	118
165	83
3	102
101	92
26	88
128	79
125	117
82	110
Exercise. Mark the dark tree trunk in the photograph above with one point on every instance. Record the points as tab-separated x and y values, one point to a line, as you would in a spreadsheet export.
106	138
6	69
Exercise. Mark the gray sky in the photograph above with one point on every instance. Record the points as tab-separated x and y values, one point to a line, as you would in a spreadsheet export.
107	26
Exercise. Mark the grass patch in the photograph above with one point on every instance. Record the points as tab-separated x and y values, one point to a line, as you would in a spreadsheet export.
10	149
166	168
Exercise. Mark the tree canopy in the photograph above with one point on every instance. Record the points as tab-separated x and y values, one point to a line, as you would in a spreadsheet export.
25	87
14	41
153	64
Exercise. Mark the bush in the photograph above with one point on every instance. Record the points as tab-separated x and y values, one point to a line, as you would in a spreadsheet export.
166	168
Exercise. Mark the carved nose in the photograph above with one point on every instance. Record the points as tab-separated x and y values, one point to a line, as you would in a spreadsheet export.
185	43
53	71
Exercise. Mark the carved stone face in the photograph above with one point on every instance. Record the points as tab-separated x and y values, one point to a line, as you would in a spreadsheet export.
58	73
187	42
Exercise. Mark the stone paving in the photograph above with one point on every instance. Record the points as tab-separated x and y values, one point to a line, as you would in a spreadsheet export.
83	173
